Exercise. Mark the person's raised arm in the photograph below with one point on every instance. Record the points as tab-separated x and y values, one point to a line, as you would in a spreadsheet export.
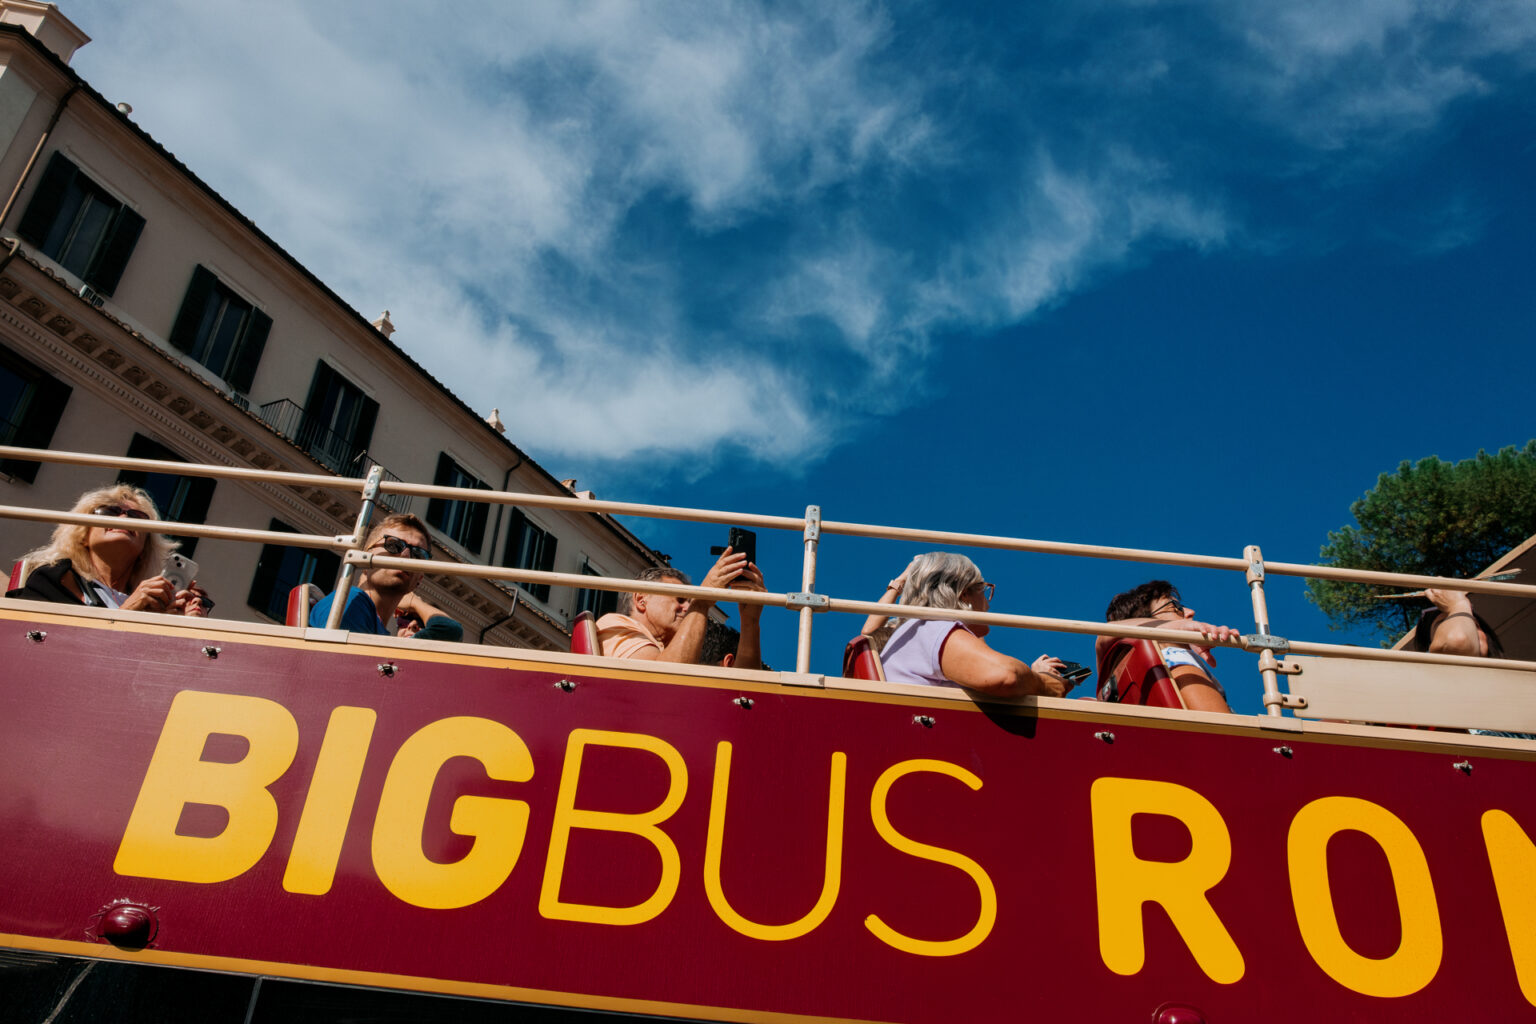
1454	630
687	643
749	649
891	596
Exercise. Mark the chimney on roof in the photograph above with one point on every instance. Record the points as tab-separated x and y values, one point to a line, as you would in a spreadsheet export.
44	21
382	324
494	419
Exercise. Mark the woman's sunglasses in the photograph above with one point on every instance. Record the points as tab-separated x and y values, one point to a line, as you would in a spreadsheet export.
119	511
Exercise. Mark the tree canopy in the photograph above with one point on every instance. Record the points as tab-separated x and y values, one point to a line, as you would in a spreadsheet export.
1433	518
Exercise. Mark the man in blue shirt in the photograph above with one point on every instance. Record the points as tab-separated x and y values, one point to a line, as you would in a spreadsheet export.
379	593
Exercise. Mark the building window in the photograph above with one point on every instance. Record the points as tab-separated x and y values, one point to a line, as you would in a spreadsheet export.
280	569
336	425
598	602
79	225
31	403
181	499
529	547
221	330
462	521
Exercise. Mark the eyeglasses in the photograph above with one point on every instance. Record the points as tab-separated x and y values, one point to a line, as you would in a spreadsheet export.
119	511
1172	606
396	547
987	589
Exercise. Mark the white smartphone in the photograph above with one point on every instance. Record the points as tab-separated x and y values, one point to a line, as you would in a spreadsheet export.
180	570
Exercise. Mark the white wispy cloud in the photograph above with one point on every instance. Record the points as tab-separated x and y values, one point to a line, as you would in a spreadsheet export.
662	228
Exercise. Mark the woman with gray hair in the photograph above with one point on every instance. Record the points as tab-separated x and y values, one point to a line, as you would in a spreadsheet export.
945	652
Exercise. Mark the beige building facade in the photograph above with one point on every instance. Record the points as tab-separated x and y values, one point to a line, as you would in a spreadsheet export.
142	315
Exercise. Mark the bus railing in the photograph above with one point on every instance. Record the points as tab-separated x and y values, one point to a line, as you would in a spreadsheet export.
806	602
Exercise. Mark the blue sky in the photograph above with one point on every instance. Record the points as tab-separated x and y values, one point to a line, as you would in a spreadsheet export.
1170	275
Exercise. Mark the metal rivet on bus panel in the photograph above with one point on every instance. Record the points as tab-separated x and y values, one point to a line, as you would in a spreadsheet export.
1107	737
37	636
1284	751
926	721
745	703
1465	767
387	669
565	685
211	652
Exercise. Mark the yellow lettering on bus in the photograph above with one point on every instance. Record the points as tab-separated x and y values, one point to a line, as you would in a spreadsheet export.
1417	958
643	824
986	916
177	776
497	824
831	872
1512	856
1126	882
328	806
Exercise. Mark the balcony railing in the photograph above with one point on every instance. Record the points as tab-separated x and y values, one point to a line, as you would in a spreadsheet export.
325	446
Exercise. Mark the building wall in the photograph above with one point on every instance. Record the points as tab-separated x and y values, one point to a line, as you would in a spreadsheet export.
128	378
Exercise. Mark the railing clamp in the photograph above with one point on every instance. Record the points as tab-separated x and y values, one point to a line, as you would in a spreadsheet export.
813	522
1285	700
801	599
1255	566
1266	642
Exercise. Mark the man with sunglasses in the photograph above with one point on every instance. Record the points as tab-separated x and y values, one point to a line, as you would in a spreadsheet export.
380	593
1157	605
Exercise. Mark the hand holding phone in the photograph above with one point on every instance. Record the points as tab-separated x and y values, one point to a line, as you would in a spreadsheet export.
179	569
1073	672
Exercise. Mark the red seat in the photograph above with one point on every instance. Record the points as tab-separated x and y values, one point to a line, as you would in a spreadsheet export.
18	575
862	661
1132	672
584	634
300	600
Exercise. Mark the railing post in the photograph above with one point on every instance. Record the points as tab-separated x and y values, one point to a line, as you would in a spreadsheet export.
1269	668
808	585
359	534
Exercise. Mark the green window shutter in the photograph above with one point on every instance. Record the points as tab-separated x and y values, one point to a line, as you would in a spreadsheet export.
242	369
44	207
184	331
49	396
107	269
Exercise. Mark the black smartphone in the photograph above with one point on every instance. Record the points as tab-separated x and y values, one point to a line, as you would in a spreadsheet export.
1072	672
744	541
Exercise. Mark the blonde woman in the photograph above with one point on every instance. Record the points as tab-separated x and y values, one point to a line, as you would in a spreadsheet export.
110	566
938	652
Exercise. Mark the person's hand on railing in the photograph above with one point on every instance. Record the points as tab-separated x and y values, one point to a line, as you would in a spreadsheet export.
1206	629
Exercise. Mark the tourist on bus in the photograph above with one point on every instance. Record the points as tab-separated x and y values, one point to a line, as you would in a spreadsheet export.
663	627
110	566
880	627
944	652
1157	604
380	593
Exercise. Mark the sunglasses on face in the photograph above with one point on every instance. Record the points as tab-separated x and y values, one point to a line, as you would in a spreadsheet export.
396	547
1171	605
118	511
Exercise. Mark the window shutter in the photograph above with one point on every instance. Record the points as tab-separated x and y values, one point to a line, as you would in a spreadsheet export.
367	416
437	508
49	396
184	331
547	560
517	522
248	353
113	258
264	582
475	536
44	207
